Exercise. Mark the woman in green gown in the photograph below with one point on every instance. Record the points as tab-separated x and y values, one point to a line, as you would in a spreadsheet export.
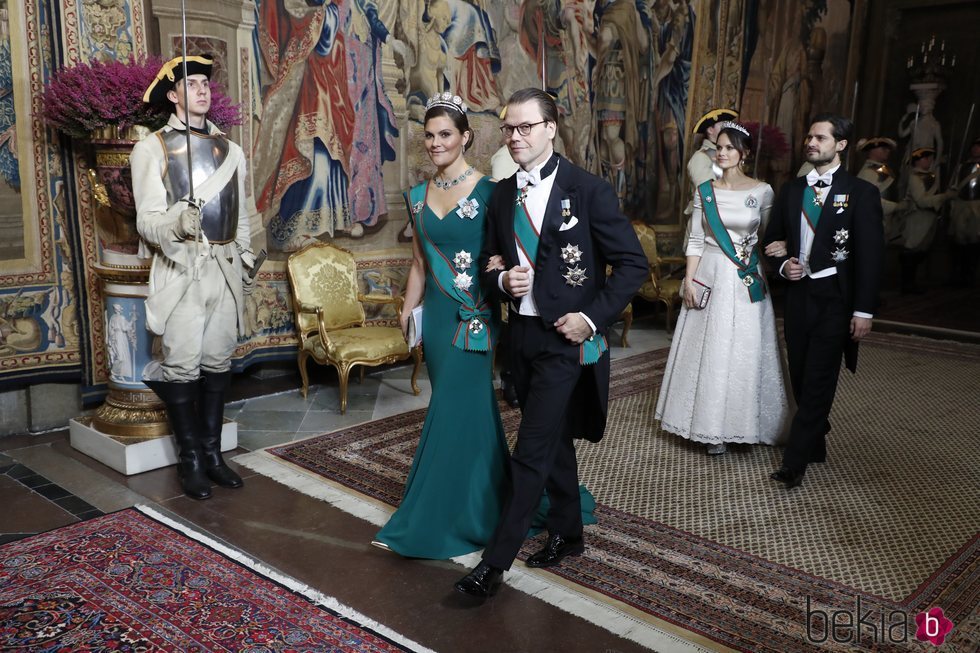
458	480
454	490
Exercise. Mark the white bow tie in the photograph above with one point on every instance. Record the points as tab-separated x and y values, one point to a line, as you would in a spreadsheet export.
532	178
813	179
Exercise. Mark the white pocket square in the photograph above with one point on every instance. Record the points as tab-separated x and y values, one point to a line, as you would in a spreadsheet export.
840	210
568	225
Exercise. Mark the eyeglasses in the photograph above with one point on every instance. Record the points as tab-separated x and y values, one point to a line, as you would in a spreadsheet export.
524	129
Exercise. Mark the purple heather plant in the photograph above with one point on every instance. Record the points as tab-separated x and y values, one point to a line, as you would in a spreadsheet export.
774	143
223	113
88	96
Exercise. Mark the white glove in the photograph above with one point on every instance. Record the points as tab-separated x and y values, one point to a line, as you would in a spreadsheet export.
189	222
248	281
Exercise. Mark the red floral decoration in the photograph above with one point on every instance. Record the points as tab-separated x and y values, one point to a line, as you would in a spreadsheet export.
773	145
89	96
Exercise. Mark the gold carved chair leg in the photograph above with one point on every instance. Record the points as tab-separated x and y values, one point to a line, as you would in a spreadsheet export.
627	323
343	372
303	355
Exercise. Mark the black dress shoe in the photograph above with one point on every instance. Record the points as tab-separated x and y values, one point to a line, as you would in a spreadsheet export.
556	548
788	477
482	582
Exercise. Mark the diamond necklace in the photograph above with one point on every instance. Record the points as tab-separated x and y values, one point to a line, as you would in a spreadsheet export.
449	183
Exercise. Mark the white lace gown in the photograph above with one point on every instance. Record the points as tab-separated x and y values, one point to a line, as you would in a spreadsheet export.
724	377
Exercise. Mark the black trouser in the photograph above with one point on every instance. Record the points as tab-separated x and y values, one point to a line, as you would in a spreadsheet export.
817	325
546	370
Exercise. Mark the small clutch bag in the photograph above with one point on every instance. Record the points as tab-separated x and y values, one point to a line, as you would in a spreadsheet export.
701	294
415	327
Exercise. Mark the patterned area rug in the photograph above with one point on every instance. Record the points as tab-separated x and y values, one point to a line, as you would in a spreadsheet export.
882	532
125	582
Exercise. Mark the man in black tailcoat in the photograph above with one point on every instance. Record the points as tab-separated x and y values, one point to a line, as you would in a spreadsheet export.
556	227
826	238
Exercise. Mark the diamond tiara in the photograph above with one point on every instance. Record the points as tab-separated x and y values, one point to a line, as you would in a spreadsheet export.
447	100
731	124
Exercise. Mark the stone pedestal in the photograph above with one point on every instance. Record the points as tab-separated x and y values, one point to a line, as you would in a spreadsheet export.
131	409
132	455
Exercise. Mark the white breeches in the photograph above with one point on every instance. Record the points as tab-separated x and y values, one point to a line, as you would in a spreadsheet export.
202	331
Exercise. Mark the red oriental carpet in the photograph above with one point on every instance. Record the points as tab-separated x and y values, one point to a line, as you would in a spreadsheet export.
711	551
125	582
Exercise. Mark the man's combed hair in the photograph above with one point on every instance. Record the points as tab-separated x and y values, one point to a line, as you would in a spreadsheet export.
549	110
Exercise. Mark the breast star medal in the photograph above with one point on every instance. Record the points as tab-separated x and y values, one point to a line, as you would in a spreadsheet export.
575	276
743	248
839	255
571	254
840	236
462	260
463	281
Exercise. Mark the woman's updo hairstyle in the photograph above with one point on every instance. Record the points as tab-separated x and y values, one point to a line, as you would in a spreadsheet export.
452	107
739	137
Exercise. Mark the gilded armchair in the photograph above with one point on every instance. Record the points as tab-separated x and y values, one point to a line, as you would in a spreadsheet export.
330	317
658	288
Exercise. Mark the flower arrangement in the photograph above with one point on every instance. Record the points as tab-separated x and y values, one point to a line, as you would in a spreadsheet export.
89	96
773	146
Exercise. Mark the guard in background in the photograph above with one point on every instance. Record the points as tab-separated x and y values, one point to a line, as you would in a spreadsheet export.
922	219
199	239
877	171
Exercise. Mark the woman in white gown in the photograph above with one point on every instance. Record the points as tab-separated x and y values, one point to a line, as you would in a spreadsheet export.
724	379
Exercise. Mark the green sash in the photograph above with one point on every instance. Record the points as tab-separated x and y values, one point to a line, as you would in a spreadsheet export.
473	331
524	232
590	351
747	272
528	238
811	207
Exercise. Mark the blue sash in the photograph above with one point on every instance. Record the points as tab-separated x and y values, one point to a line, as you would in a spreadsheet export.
473	331
747	272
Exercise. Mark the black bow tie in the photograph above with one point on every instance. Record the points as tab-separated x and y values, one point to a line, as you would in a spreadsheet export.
820	183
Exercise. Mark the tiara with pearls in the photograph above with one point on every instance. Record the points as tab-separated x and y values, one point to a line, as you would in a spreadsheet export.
731	124
447	100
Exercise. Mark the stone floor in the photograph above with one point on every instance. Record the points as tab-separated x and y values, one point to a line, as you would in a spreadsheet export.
44	484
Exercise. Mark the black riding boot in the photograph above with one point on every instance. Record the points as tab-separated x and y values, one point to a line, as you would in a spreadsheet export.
179	398
212	410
